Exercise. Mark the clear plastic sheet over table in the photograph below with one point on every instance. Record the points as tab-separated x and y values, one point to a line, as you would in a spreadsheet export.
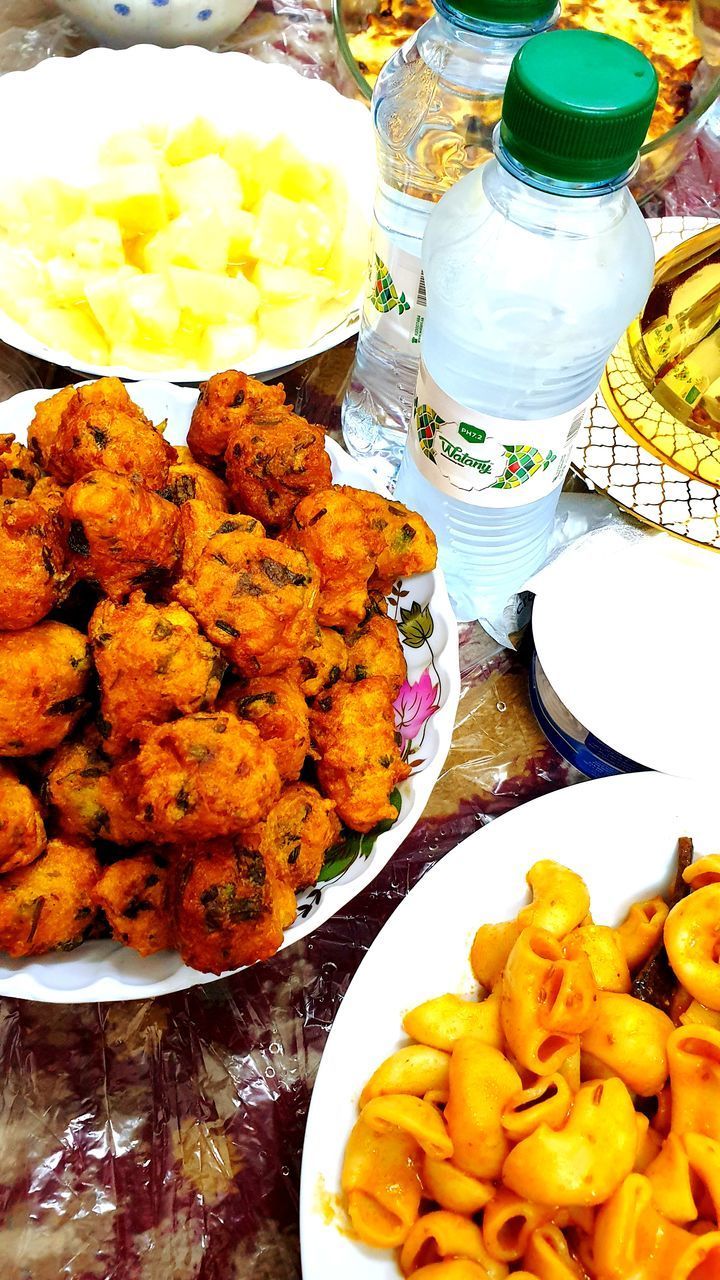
161	1139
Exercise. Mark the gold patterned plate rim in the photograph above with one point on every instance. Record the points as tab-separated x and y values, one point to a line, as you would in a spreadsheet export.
636	406
616	459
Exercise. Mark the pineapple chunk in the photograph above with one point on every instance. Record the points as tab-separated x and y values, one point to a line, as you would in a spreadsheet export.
132	194
153	308
74	332
242	152
223	345
293	324
289	173
110	304
275	231
198	239
192	142
208	183
289	284
347	266
92	242
67	282
314	237
214	299
241	227
23	284
132	146
55	201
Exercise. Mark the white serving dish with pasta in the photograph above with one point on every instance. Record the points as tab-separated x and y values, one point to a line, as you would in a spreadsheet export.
620	835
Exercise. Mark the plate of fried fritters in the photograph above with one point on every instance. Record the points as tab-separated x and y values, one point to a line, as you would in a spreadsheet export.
228	682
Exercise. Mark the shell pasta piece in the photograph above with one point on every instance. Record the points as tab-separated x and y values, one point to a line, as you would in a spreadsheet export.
452	1189
381	1184
490	949
628	1039
548	1255
546	1102
641	930
693	945
583	1162
442	1021
546	1001
417	1069
419	1119
560	899
694	1062
508	1223
703	871
447	1235
481	1082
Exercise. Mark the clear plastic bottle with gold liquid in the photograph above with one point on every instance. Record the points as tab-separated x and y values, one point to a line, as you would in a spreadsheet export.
435	105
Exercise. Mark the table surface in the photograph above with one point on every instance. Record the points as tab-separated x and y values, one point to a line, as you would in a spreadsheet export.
161	1139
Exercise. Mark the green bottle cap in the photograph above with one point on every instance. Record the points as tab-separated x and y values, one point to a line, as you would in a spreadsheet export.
578	105
507	13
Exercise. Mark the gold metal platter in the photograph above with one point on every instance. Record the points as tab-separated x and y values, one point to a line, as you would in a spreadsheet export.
661	466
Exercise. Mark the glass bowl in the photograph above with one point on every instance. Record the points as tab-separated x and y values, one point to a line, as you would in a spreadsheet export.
659	158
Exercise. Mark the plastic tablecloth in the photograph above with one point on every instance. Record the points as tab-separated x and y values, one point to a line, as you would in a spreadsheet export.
161	1139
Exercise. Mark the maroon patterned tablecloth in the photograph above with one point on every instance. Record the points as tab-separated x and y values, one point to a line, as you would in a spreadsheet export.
161	1139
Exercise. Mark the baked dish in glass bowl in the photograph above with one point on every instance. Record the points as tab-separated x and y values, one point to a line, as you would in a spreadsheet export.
369	32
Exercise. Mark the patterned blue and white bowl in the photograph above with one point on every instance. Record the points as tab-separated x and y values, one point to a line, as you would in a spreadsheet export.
164	22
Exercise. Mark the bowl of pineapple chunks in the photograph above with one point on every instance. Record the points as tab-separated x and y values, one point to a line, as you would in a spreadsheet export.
178	211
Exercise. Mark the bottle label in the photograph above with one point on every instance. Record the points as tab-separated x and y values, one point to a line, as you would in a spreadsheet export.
488	461
395	301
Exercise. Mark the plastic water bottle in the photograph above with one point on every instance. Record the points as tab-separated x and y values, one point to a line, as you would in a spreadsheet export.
534	266
435	105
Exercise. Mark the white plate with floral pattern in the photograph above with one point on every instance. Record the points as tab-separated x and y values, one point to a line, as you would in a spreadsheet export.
425	715
620	834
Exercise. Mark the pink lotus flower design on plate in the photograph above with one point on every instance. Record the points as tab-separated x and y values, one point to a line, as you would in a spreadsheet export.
415	704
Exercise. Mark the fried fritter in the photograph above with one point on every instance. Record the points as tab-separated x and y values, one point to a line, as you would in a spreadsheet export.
323	662
278	709
87	794
49	905
226	401
228	911
272	463
120	534
43	682
375	650
353	728
18	471
49	495
253	598
202	776
409	544
46	424
22	831
32	563
102	429
153	664
198	523
134	893
297	834
333	531
189	480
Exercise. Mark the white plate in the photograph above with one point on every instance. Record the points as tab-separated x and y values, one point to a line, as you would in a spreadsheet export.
618	833
63	109
613	623
106	971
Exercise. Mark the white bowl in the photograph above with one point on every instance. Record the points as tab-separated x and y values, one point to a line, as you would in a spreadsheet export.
163	22
64	109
